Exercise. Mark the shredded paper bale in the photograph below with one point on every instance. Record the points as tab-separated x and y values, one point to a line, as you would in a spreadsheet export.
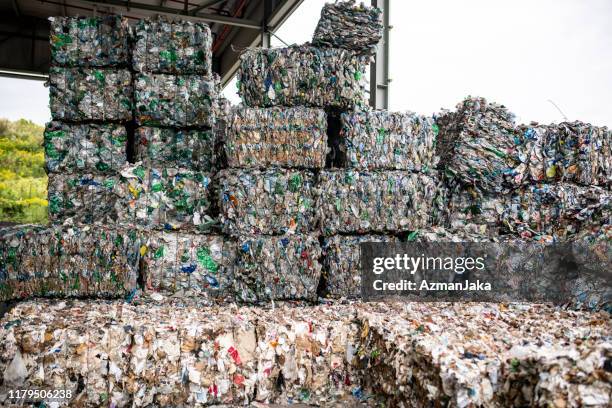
360	202
342	263
277	268
477	144
165	197
389	140
172	47
347	25
90	42
79	94
188	263
570	151
302	75
271	201
285	137
175	100
71	261
84	147
190	149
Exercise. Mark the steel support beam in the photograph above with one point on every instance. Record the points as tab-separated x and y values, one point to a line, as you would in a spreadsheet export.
205	4
211	18
7	73
266	38
379	69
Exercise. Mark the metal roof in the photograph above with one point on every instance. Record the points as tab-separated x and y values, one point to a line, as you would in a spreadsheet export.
236	24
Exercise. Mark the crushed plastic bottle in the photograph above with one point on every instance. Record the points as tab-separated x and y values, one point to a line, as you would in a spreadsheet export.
344	24
80	94
302	75
274	201
172	47
389	140
69	148
285	137
90	41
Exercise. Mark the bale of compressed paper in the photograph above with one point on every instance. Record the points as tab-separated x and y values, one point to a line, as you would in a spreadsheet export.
81	94
352	201
477	145
285	137
272	268
172	47
273	201
344	24
165	197
84	198
99	148
557	210
188	263
389	140
67	261
189	149
342	263
483	354
302	75
90	41
175	100
569	151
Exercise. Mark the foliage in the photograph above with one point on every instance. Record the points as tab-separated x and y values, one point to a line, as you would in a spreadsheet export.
23	182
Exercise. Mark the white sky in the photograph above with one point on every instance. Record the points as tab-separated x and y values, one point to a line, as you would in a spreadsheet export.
521	53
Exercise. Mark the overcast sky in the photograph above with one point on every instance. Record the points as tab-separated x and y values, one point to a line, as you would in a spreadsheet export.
521	53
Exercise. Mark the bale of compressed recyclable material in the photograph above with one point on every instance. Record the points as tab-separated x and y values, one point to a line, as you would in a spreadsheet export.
81	94
221	128
482	354
342	263
98	148
568	152
189	149
480	213
84	198
188	263
172	47
352	201
302	75
477	145
67	261
90	42
175	100
389	140
270	268
273	201
347	25
558	210
285	137
167	198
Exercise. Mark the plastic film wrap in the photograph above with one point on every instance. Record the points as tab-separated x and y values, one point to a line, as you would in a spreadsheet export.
285	137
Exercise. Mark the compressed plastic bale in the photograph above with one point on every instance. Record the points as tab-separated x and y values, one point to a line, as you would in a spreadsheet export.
81	94
302	75
569	151
189	149
273	201
277	268
196	264
360	202
347	25
389	140
477	145
558	210
73	148
480	213
172	47
90	41
167	198
175	100
341	265
285	137
221	128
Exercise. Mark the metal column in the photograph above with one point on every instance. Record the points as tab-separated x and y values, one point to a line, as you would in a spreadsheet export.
379	69
266	38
